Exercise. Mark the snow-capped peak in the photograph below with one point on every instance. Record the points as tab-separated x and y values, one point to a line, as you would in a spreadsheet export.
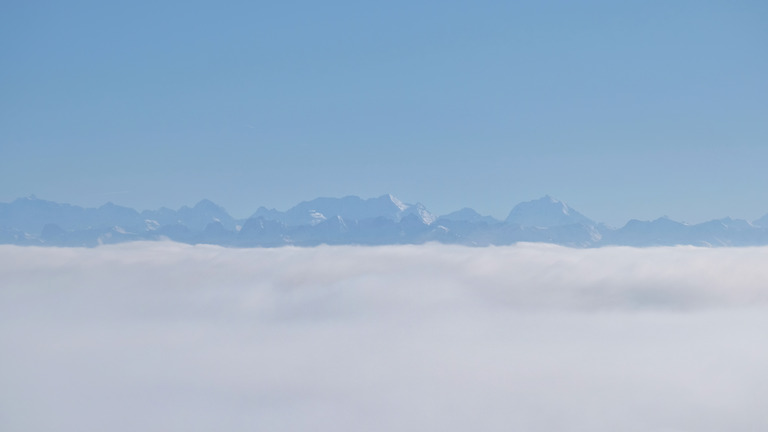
398	203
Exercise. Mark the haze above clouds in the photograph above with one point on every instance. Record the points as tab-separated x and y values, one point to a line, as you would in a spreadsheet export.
163	336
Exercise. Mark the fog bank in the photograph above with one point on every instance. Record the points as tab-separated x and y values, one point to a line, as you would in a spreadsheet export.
533	337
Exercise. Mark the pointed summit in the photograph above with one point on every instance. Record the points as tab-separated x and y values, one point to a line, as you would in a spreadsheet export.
546	212
207	204
203	213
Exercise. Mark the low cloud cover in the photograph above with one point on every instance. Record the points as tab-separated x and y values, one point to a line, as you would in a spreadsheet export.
169	337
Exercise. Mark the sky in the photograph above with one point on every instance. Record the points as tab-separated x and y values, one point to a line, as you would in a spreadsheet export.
160	336
635	109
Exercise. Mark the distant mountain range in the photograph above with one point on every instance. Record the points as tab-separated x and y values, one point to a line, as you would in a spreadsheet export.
353	220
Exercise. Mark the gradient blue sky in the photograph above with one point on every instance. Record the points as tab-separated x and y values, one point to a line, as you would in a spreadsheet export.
631	109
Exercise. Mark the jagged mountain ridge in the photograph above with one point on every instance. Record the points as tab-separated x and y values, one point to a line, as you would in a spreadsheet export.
349	208
353	220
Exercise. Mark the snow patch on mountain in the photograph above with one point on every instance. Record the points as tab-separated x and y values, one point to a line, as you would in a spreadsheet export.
397	202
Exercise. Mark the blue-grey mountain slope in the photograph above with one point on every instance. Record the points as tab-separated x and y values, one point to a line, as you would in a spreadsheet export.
546	212
762	222
467	215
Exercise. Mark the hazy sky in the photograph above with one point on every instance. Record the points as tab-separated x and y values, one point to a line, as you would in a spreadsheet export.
623	109
166	337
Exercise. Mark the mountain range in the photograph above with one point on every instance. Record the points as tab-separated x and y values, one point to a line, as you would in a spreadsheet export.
353	220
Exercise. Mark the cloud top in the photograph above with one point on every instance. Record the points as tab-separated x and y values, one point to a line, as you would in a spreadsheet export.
534	337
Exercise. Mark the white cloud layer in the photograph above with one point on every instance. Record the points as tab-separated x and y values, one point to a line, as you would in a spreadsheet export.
170	337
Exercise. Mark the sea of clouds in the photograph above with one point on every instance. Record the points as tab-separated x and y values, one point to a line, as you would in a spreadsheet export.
533	337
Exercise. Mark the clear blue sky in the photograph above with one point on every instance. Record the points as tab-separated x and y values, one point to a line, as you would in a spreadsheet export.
621	108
